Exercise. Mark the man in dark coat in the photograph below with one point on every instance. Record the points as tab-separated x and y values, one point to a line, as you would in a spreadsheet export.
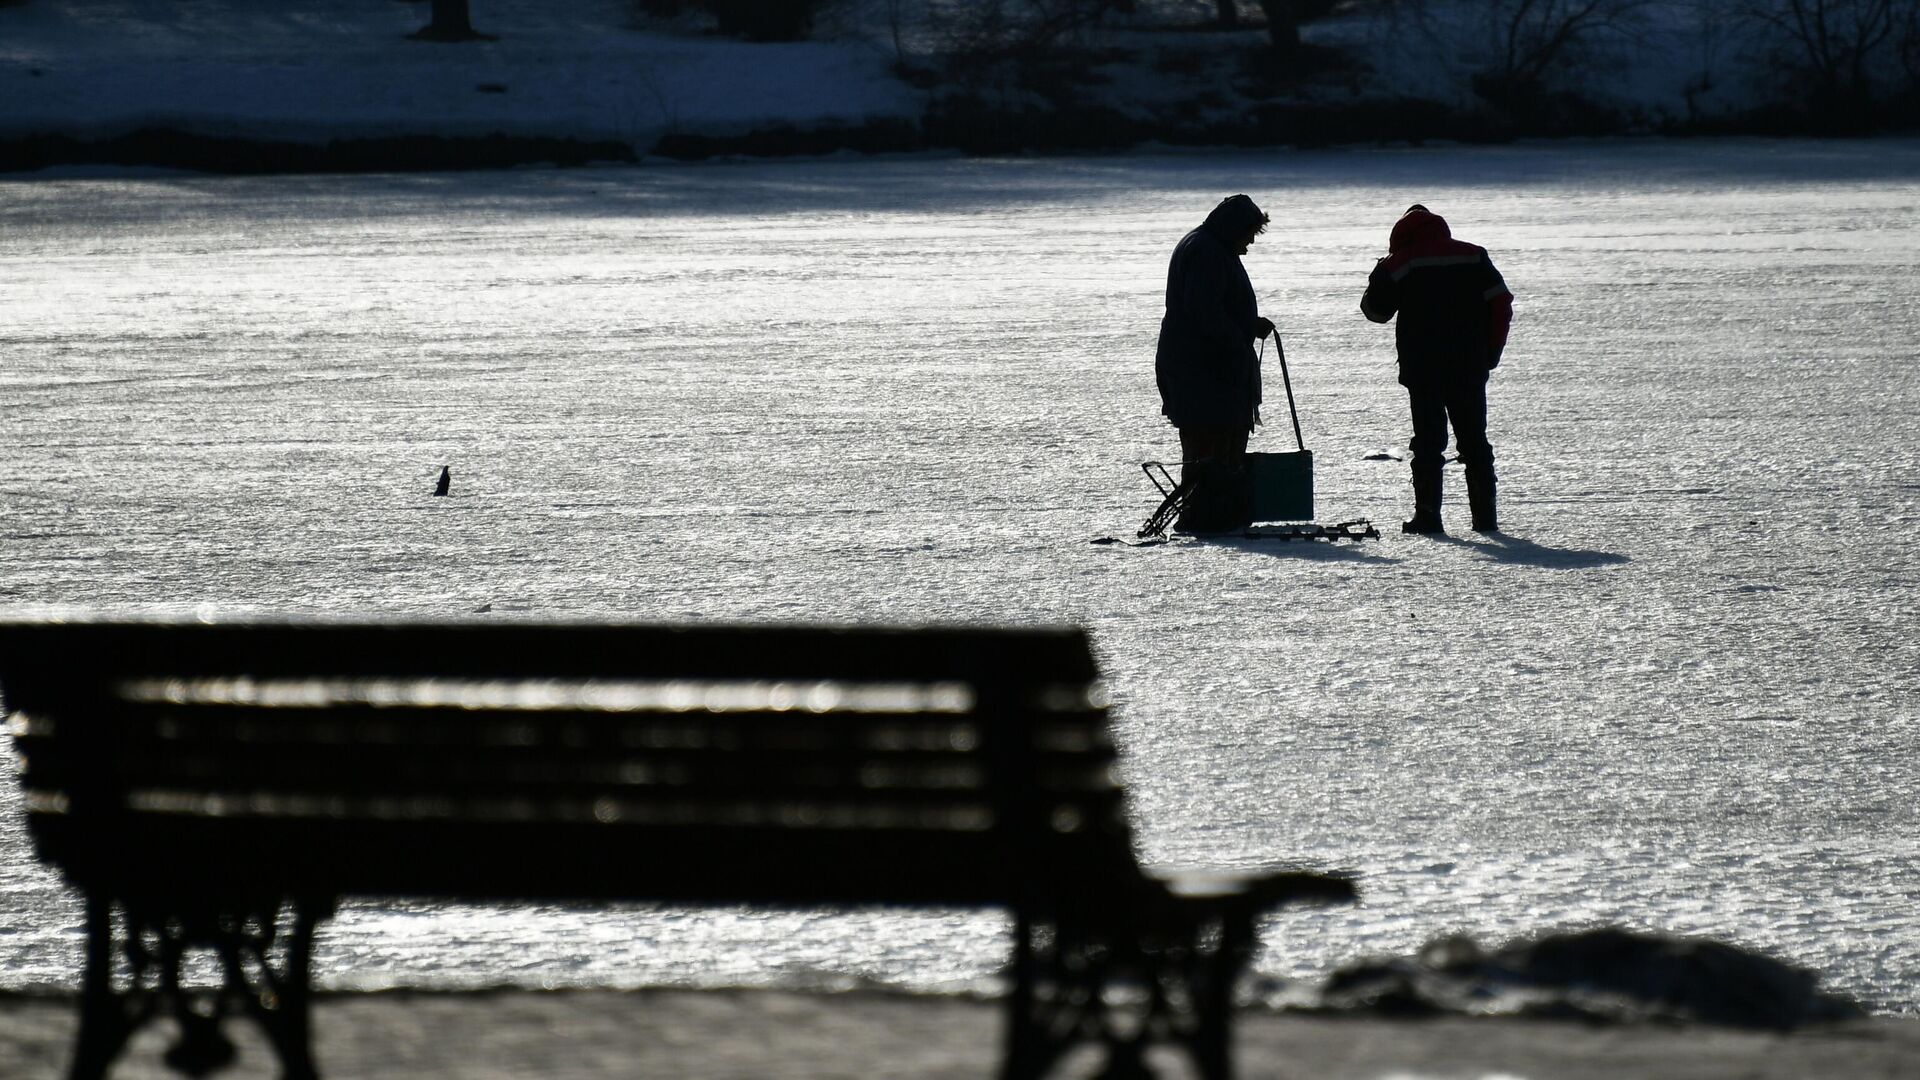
1454	311
1208	371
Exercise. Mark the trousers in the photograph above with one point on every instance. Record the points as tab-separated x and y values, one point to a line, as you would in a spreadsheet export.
1215	459
1462	404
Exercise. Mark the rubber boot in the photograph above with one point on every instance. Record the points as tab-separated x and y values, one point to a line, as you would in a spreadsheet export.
1220	502
1480	497
1486	518
1426	504
1206	511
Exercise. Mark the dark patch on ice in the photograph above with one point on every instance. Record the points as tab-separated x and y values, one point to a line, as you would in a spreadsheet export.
175	149
877	136
1359	551
1502	547
1759	589
1330	550
1605	974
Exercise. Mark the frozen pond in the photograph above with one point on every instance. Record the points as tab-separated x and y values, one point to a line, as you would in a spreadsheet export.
1679	695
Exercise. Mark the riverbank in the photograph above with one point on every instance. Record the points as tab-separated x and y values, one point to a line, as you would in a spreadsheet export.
335	86
586	1035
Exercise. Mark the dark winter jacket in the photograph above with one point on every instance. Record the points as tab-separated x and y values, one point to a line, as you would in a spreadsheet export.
1454	306
1206	366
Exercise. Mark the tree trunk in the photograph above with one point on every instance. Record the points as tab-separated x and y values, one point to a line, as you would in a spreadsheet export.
450	23
765	20
1283	24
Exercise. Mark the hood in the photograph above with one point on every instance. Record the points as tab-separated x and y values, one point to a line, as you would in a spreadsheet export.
1418	225
1234	217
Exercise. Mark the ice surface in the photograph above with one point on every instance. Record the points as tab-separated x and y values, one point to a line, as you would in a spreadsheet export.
1678	696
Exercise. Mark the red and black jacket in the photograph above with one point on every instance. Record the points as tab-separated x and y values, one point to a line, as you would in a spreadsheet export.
1454	307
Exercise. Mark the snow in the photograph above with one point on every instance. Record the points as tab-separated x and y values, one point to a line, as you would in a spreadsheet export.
594	70
340	68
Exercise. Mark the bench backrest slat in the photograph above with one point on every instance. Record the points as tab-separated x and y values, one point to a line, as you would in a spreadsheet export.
61	652
579	759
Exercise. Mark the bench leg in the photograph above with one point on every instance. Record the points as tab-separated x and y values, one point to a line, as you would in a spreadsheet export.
1197	967
106	1020
154	939
1063	970
1054	1002
1174	986
288	1016
1028	1050
1217	971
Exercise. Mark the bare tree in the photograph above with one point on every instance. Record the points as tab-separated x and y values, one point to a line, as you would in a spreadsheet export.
1711	35
982	26
1832	44
1054	19
896	24
1910	46
1536	38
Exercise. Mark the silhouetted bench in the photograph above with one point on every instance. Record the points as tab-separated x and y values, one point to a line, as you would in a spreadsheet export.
220	787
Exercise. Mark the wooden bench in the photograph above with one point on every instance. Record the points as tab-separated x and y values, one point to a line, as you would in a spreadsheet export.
217	788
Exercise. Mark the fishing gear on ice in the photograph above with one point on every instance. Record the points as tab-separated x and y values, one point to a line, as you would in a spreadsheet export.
1276	487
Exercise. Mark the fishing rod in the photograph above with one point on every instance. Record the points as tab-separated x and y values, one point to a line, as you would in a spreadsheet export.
1280	350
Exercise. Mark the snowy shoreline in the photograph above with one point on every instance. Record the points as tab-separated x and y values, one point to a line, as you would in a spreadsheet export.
214	86
779	1035
981	135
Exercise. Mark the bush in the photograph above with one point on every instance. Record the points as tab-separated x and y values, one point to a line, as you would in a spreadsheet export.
766	20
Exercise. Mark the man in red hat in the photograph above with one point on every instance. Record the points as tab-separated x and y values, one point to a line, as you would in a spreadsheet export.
1454	310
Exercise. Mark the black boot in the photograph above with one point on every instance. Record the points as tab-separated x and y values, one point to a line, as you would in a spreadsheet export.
1480	497
1485	519
1219	502
1426	503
